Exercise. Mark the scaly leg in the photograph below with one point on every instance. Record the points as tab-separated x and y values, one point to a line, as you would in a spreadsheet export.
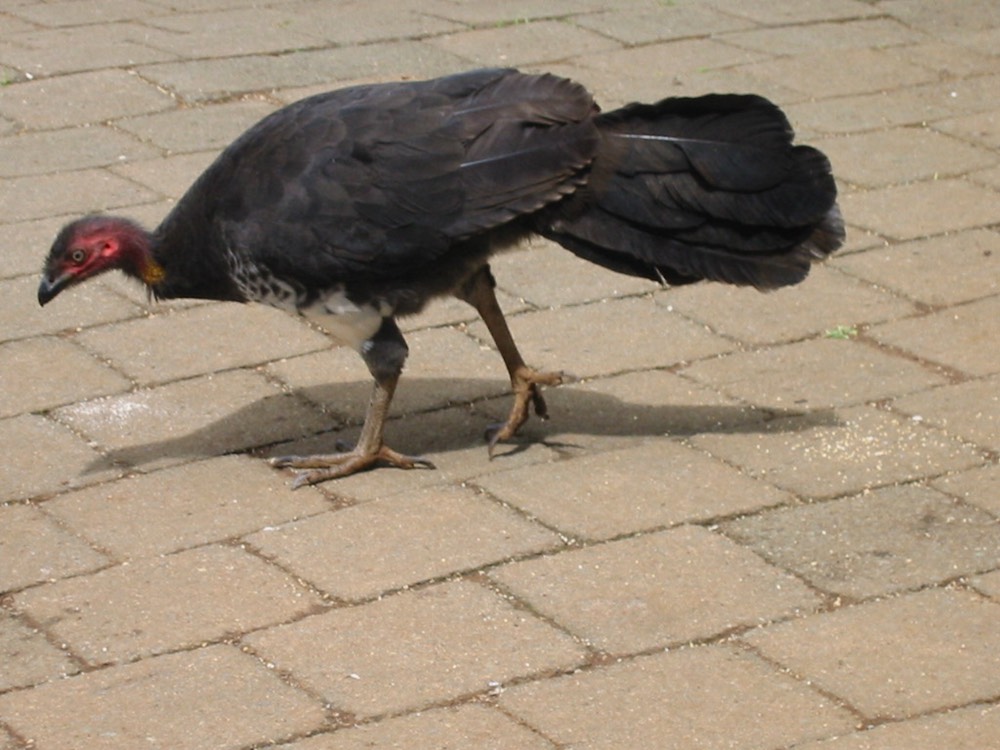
384	354
478	291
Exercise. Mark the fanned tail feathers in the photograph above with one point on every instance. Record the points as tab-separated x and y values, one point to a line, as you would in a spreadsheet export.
702	188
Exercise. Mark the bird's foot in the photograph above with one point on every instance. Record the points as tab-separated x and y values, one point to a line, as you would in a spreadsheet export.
526	384
345	462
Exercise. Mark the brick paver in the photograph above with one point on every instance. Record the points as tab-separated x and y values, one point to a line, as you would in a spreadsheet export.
766	522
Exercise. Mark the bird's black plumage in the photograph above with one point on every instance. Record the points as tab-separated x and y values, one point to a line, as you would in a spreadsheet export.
365	203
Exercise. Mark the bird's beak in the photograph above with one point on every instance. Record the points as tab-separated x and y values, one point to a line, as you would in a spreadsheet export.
49	288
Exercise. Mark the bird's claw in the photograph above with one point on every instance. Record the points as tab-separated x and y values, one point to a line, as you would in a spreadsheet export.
527	384
348	461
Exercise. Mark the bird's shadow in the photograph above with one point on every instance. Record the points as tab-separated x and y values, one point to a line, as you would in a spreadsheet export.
431	419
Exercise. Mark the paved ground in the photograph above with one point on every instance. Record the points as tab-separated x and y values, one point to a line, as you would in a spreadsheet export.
764	522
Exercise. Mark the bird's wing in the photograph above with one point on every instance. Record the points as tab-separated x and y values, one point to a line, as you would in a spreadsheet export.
374	181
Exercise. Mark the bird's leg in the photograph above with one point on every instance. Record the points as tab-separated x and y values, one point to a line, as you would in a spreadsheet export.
479	292
384	353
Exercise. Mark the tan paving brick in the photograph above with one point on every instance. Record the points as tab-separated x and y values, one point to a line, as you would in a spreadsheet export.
35	549
717	697
444	367
87	305
971	14
528	274
129	611
389	544
29	370
608	337
897	657
911	211
654	591
24	243
196	129
72	148
209	699
182	507
226	32
801	11
980	486
872	544
170	175
901	155
617	496
964	729
970	260
845	34
840	453
989	584
52	52
28	657
652	23
69	13
823	71
962	337
373	21
41	457
468	726
79	192
814	374
80	98
195	418
502	14
523	43
160	348
815	306
982	128
970	410
415	649
202	80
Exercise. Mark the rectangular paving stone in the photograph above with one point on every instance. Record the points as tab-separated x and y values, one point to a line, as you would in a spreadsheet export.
897	657
133	610
814	374
80	98
67	149
208	338
388	544
616	337
185	506
86	305
901	155
523	43
375	20
969	410
42	457
414	649
71	13
53	52
79	192
842	34
910	211
706	698
891	539
196	418
960	337
655	591
842	453
196	128
801	11
445	366
35	549
171	176
980	486
652	22
31	373
970	728
458	728
988	584
201	80
814	306
28	657
970	260
214	698
657	484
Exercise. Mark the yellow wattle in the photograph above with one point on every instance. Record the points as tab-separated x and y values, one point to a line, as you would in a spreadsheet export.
153	273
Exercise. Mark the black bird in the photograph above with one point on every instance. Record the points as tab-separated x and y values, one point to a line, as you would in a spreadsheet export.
360	205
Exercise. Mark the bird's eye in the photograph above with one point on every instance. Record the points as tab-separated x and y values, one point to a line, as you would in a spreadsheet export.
77	256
